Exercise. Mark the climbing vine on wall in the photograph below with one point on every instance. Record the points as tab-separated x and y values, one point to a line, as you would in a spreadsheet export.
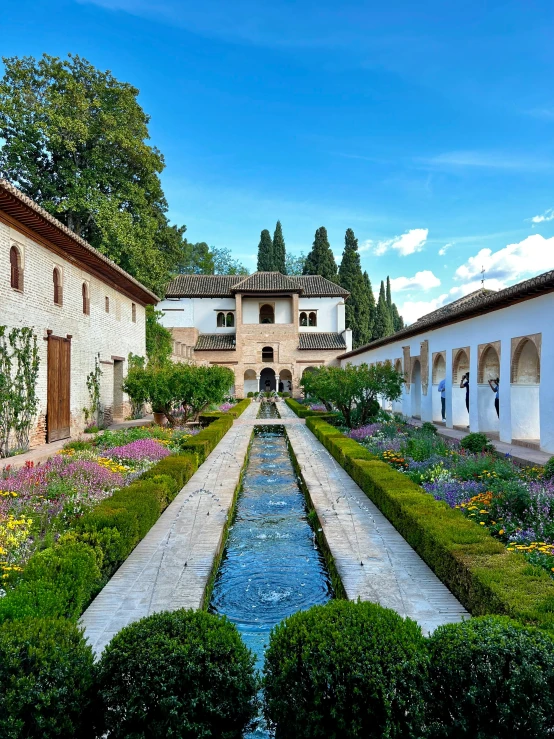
19	366
93	387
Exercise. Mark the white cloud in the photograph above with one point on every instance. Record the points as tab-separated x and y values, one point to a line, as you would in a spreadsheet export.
408	243
420	281
487	160
443	249
533	255
470	287
411	310
548	215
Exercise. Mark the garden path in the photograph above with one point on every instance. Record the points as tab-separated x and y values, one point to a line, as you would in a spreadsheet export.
392	573
171	566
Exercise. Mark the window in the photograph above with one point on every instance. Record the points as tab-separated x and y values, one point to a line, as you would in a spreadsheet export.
267	314
107	304
230	321
16	271
267	354
303	319
86	299
312	319
57	279
133	312
221	320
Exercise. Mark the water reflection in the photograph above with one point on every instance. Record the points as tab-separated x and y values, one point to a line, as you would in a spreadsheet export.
271	566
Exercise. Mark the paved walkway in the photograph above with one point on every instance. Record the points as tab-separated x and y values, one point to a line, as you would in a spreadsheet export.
392	573
170	567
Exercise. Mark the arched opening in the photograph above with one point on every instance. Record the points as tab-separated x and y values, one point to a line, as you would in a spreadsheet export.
230	320
267	380
16	272
439	374
267	314
439	369
303	319
526	377
86	299
57	279
460	367
488	369
267	354
312	319
250	382
221	320
133	312
415	389
285	381
397	405
107	304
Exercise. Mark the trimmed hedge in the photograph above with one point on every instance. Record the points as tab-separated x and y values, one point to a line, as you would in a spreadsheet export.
236	411
205	442
301	410
475	566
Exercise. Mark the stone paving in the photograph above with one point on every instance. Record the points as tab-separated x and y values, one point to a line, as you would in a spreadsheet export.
171	566
373	560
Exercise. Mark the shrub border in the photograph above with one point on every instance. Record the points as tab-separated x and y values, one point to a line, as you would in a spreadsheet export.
476	567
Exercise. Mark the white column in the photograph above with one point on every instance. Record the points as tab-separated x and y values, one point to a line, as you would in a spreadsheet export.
505	421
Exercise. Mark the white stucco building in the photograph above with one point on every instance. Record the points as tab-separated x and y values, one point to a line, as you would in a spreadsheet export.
508	335
81	306
268	328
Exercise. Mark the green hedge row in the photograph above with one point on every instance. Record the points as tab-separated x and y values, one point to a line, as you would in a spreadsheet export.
304	412
476	567
236	411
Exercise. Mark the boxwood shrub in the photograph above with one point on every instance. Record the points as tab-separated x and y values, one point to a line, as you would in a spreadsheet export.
474	565
345	670
490	678
180	674
205	442
46	680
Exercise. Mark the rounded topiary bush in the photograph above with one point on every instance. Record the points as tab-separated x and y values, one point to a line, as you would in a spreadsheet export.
491	678
345	670
46	679
549	468
180	674
477	443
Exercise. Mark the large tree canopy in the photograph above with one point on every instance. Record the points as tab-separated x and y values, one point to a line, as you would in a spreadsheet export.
76	142
320	260
351	278
265	252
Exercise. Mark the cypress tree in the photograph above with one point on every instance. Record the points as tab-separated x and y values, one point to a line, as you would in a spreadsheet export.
397	320
279	251
265	252
371	305
320	260
383	319
351	278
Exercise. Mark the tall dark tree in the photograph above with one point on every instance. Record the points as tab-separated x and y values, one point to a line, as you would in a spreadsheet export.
351	278
372	309
320	260
279	250
397	320
383	320
265	252
389	296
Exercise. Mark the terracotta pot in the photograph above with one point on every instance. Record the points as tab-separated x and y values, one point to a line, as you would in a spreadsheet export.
160	419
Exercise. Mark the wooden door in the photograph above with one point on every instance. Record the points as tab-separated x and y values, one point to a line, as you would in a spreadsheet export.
58	421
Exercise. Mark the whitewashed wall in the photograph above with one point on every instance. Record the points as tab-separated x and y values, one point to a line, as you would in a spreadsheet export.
329	313
251	309
200	313
526	411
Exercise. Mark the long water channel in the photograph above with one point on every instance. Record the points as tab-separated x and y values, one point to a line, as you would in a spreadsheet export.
271	566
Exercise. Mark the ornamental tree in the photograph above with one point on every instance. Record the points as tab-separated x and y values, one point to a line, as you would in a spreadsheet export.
265	252
320	260
279	250
351	278
355	390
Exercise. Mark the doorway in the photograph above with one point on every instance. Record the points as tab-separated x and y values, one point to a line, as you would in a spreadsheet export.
267	380
58	413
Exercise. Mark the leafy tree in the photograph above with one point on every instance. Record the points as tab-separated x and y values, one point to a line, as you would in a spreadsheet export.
225	264
372	309
320	260
354	390
383	319
197	259
294	265
279	250
265	252
159	342
75	141
351	278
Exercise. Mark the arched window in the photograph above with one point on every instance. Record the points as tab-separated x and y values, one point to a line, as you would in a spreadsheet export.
230	321
107	304
16	271
267	354
526	365
86	299
267	314
57	278
312	319
303	319
133	312
221	320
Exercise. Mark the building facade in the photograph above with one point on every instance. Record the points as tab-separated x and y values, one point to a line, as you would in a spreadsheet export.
82	307
268	328
506	335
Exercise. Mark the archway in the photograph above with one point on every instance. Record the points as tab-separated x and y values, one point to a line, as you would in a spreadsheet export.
439	374
250	382
415	390
489	369
285	377
267	379
397	404
460	366
267	314
526	377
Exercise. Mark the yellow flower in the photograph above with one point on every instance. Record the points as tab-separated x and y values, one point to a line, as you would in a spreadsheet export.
501	532
482	523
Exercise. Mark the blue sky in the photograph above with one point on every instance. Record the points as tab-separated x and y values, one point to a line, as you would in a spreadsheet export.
426	127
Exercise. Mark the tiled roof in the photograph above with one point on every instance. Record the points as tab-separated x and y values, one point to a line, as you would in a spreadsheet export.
478	303
220	286
215	342
309	340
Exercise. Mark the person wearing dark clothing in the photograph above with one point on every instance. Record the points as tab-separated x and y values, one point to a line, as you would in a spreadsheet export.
465	383
281	386
495	387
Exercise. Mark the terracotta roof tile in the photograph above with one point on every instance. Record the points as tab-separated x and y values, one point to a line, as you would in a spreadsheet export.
315	286
267	282
309	340
215	342
219	286
202	286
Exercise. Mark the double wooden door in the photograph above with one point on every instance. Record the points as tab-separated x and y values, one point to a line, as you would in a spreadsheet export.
58	418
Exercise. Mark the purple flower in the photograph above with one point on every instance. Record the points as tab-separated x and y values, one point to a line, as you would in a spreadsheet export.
138	451
365	431
225	407
453	492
